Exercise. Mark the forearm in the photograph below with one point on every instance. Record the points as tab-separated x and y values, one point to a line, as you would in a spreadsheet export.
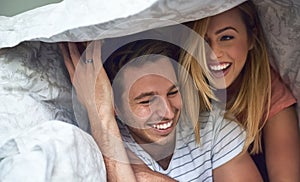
144	174
108	138
282	146
93	90
240	168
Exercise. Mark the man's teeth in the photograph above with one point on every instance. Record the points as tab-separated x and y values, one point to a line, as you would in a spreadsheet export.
219	67
162	126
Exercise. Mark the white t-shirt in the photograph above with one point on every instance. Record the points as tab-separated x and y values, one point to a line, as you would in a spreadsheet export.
221	140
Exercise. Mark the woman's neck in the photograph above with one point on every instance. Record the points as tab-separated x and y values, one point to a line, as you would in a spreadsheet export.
229	94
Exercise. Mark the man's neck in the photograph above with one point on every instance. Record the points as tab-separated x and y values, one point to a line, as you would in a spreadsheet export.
164	163
161	153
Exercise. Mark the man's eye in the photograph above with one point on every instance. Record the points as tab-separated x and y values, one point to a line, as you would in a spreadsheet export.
144	102
149	101
173	93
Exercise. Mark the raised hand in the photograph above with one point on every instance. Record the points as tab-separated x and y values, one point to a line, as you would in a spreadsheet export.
95	93
88	77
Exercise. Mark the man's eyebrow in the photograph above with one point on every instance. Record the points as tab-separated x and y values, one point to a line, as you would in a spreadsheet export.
176	85
147	94
224	29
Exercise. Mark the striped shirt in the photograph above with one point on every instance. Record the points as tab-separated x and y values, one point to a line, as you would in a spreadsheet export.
221	140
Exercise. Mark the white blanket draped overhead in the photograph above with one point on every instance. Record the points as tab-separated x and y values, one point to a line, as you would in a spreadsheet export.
75	20
34	89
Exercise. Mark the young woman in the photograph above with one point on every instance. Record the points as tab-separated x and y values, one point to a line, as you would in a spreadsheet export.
238	65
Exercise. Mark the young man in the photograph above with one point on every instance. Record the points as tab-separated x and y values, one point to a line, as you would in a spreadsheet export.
148	106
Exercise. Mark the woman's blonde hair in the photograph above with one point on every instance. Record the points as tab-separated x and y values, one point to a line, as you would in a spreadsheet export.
251	105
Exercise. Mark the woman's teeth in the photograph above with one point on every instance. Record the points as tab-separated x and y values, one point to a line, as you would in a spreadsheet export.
163	126
219	67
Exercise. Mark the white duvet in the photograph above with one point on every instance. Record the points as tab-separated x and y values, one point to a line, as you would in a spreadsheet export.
41	137
51	151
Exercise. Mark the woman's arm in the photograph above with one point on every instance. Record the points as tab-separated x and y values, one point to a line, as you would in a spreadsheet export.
240	168
282	146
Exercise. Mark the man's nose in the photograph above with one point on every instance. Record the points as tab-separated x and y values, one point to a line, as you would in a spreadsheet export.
165	109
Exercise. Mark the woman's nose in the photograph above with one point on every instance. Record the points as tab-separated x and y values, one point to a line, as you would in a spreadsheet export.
215	51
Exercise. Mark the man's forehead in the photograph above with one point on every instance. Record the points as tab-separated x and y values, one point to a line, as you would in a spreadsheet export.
162	67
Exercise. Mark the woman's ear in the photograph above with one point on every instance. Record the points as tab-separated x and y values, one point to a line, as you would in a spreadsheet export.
251	44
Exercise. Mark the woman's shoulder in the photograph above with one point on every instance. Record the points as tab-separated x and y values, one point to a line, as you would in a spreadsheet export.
281	96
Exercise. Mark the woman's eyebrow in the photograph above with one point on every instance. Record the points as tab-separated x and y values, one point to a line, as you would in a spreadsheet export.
224	29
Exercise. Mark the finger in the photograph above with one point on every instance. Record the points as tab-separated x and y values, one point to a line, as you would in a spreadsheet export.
64	51
71	69
93	51
89	51
69	64
74	53
97	53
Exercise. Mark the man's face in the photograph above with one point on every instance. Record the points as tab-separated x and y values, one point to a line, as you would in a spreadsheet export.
151	102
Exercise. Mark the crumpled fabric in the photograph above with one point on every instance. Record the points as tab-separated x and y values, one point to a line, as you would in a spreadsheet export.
34	88
39	137
281	23
75	20
51	151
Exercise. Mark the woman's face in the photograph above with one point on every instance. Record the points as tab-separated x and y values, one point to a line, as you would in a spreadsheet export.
228	40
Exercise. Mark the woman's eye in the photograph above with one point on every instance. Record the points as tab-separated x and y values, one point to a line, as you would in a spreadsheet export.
226	37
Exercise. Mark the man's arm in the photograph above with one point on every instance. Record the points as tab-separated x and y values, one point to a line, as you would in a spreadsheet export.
94	91
143	173
109	141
